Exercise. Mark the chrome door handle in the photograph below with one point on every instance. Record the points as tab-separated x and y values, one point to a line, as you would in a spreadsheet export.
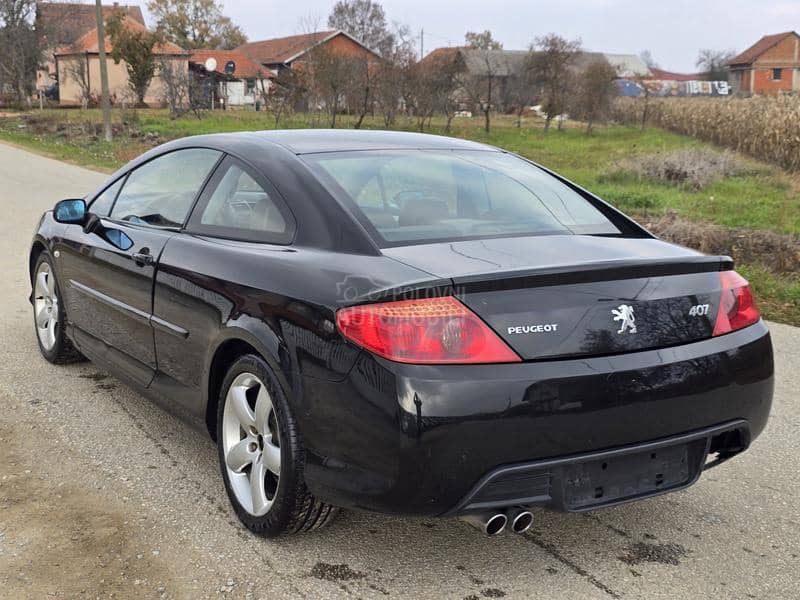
143	258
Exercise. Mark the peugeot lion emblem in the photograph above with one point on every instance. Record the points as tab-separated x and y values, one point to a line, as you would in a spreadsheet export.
624	313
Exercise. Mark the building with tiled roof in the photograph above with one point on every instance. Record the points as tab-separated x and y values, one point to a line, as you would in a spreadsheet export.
243	87
63	23
78	69
279	53
770	66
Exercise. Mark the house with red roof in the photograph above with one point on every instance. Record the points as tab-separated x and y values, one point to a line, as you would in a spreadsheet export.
236	79
770	66
78	70
286	52
62	23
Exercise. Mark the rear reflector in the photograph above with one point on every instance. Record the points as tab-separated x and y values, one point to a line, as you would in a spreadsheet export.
427	331
737	307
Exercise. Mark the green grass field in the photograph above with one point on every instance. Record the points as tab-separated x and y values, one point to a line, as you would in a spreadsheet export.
762	197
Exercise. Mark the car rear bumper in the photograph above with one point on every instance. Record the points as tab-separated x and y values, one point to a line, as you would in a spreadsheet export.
605	478
426	440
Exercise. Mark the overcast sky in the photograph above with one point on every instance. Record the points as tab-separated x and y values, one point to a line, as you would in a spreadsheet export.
673	30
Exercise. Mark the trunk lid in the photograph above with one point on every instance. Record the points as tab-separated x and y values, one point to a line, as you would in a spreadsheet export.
567	296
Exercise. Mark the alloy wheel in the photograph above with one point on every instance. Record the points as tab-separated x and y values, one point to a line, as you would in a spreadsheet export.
251	444
45	306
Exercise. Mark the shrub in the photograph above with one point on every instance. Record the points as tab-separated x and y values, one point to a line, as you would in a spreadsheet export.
693	169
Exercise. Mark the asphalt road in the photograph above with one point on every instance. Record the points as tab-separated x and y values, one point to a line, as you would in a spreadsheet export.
102	494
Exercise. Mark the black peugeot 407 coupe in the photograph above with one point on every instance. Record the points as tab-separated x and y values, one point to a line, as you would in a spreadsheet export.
403	323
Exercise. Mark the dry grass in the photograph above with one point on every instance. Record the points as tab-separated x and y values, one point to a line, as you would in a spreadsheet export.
765	127
779	253
693	168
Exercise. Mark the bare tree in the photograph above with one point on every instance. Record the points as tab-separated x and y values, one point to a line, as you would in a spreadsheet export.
20	48
483	78
551	69
595	92
360	90
393	77
520	88
281	96
714	63
177	85
647	58
329	75
437	83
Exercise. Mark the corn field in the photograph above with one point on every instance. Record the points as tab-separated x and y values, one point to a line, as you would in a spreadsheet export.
764	127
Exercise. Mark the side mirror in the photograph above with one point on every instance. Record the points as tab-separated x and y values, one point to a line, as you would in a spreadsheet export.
70	211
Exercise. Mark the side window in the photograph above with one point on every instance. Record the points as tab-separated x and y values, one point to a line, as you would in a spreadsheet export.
240	207
161	192
102	203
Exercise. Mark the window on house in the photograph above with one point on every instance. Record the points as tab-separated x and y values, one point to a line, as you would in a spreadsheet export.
250	87
776	74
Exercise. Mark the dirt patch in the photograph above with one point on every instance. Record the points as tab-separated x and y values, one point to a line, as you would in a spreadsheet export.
59	539
665	554
330	572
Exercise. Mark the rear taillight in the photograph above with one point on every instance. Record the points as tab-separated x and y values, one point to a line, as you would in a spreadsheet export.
737	307
427	331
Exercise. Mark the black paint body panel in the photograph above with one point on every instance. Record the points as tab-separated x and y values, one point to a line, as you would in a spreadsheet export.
396	437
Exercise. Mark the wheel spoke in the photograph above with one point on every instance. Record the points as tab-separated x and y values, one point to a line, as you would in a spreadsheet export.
272	457
240	455
42	316
263	408
51	285
41	285
258	489
238	400
51	333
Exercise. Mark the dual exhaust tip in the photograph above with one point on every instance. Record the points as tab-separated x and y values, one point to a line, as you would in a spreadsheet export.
518	520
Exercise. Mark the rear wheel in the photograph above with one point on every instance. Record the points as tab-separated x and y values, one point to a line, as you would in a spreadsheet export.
48	315
261	454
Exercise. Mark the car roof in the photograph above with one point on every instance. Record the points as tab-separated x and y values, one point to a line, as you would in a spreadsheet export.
308	141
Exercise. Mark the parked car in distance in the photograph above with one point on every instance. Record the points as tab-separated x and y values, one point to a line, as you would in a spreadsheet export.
403	323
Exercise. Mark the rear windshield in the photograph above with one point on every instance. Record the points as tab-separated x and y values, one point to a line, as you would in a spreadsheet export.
416	196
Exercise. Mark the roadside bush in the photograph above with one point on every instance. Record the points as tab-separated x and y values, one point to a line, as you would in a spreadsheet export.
765	127
693	169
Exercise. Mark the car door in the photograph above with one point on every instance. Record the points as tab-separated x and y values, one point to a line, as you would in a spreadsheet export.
200	286
107	272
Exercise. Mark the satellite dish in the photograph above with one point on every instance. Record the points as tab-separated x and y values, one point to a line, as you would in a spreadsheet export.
211	64
230	67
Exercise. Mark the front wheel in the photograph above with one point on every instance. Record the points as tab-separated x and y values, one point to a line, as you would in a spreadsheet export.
261	454
49	316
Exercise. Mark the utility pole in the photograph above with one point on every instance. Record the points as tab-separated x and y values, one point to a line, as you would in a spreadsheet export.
105	100
421	43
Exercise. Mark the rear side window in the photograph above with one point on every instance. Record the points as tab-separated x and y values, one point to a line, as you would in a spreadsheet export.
101	205
417	196
162	191
238	204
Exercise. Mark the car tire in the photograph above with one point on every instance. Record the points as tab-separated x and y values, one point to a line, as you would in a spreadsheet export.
49	316
256	431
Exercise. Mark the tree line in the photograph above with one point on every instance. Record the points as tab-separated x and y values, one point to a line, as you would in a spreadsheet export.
553	74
